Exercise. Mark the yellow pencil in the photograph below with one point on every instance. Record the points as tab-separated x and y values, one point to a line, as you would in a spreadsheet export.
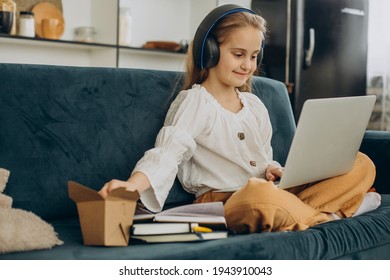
202	229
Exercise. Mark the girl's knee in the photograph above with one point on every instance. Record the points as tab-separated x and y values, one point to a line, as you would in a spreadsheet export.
258	206
364	170
363	162
250	218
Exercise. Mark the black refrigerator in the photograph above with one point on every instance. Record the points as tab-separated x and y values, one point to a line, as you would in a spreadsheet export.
317	47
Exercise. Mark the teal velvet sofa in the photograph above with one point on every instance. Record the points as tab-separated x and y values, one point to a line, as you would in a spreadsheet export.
90	125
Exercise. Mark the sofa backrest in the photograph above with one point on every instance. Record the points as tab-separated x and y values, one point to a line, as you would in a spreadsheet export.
90	125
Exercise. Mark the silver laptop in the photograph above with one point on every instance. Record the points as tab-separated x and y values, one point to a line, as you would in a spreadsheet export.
328	136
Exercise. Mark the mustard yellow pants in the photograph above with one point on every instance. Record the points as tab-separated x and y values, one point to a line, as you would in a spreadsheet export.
261	206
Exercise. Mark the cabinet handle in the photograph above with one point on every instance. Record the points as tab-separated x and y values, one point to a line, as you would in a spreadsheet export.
309	52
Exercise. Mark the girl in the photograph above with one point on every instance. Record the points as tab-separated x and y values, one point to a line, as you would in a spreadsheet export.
217	136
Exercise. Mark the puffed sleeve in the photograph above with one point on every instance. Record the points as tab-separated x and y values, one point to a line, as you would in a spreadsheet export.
175	143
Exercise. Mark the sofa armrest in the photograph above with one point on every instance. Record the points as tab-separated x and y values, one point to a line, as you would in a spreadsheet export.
376	145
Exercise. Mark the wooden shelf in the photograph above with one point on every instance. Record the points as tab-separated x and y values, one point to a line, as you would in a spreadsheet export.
152	51
41	42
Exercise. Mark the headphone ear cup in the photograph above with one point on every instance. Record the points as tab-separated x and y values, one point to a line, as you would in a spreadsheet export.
261	53
260	58
211	53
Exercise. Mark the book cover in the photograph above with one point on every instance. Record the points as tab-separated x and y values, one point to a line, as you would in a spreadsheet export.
183	237
154	228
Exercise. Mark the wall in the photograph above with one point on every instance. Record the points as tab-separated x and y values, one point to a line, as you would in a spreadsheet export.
378	37
79	12
378	68
166	20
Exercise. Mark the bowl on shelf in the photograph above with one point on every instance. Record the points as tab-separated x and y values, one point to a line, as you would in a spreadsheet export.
163	45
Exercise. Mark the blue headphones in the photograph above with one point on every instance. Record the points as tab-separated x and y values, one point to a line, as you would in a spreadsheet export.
205	46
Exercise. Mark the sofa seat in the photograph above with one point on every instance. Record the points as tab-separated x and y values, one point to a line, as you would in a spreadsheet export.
363	237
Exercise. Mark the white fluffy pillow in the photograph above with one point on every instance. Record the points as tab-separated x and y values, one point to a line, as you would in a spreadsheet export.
24	231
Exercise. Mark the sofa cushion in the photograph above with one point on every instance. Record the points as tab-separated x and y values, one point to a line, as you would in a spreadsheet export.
21	230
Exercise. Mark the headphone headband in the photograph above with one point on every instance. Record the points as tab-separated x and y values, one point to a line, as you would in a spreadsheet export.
207	25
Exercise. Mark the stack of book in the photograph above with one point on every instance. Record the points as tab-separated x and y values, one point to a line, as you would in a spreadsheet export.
192	222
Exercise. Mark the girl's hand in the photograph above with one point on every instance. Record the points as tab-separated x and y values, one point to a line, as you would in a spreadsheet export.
137	182
273	172
115	184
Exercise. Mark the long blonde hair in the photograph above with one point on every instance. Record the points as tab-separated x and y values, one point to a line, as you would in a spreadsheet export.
195	75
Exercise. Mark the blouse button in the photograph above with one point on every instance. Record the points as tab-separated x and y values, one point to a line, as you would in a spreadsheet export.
253	163
241	135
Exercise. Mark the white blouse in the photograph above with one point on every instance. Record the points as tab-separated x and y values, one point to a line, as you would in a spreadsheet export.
207	146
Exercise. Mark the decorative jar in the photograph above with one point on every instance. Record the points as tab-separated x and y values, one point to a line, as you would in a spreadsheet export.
26	25
85	34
